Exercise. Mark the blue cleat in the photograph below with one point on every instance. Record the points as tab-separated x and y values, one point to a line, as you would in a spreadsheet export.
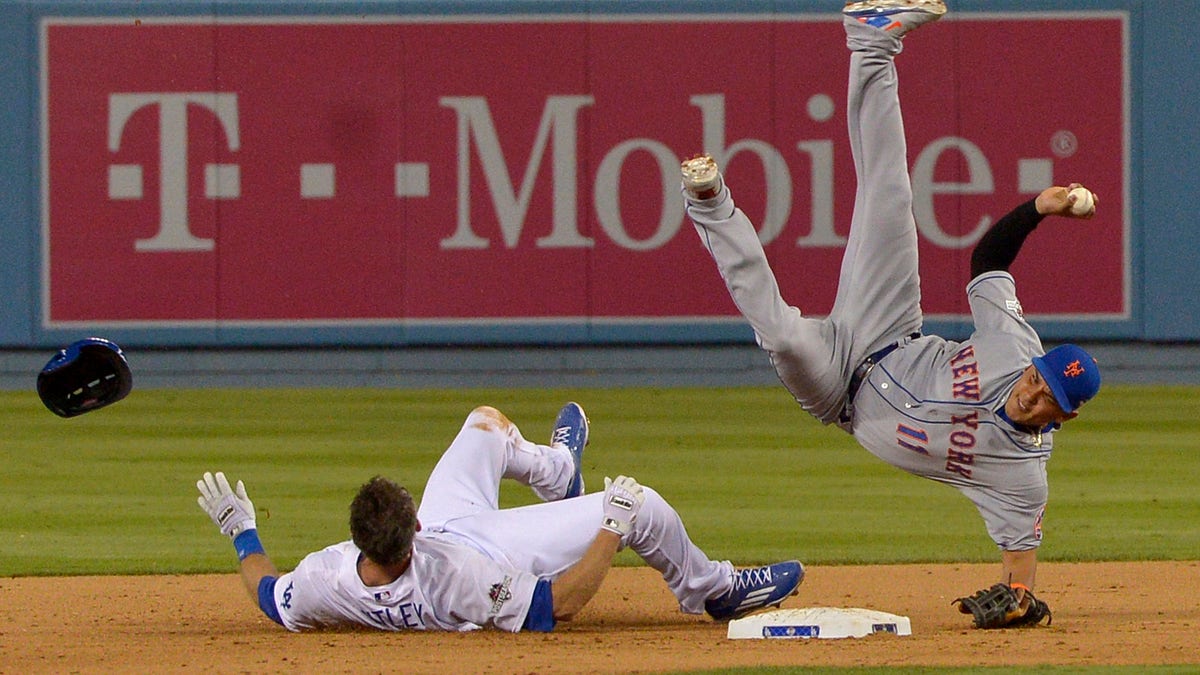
755	588
896	17
571	432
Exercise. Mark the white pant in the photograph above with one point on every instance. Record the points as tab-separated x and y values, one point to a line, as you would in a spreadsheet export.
461	499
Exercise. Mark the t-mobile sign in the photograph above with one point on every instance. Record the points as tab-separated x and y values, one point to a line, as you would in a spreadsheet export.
268	171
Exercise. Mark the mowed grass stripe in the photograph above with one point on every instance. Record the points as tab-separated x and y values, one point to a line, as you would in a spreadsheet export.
755	478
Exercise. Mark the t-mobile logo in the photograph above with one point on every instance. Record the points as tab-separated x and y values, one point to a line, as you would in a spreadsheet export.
221	181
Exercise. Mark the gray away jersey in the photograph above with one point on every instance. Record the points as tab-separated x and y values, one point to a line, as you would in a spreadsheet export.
931	408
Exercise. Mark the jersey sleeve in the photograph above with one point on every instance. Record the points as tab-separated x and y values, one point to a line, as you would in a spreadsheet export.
290	615
541	609
1000	326
994	304
303	597
266	598
1014	517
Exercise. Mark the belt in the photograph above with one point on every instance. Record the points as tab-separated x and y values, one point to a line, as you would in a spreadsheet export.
864	369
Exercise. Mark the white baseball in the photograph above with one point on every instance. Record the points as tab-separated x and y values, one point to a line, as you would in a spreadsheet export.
1083	201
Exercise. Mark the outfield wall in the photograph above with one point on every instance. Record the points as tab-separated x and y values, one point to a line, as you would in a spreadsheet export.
413	174
565	367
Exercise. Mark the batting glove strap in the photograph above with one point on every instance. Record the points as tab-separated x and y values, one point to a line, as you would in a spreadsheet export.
622	528
623	498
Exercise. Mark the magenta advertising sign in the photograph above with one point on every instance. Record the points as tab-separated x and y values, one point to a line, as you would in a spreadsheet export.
276	171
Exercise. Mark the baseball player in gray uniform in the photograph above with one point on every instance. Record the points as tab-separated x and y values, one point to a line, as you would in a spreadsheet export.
979	414
461	563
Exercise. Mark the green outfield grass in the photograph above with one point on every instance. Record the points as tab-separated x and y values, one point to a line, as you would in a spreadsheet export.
755	478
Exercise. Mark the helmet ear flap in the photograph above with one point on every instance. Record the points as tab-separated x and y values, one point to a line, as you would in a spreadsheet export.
86	375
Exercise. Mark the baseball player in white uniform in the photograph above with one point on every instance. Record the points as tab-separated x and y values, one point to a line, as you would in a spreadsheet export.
462	563
978	415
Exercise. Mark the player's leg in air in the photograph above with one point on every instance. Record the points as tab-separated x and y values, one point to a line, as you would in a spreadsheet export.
878	299
488	448
803	350
550	537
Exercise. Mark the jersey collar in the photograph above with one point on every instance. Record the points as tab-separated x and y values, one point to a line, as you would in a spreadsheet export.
1053	426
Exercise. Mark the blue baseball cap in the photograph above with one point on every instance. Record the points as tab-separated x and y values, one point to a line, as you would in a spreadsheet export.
1072	373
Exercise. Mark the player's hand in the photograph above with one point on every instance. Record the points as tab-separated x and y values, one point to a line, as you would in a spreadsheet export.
623	498
1056	201
233	512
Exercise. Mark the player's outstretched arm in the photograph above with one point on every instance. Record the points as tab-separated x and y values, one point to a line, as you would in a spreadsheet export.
578	585
999	246
233	512
254	568
623	498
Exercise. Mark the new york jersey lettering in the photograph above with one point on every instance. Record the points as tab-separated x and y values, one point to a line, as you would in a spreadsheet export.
964	368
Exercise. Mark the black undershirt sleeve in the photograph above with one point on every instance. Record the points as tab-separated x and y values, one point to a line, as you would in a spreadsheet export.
1000	245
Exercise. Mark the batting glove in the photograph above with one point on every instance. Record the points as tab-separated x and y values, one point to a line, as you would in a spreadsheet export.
233	512
623	498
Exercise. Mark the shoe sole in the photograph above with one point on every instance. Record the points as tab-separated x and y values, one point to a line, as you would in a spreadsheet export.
701	176
886	7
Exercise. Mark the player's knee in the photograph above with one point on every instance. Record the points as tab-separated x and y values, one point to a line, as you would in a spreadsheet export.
653	510
490	419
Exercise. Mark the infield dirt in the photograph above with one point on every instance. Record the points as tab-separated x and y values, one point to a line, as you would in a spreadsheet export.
1104	613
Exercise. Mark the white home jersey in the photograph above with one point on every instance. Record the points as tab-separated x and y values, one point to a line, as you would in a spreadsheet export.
448	586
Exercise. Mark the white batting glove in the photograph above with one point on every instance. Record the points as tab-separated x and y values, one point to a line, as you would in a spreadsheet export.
233	512
623	498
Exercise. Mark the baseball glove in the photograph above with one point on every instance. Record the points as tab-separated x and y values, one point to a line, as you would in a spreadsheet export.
998	607
86	375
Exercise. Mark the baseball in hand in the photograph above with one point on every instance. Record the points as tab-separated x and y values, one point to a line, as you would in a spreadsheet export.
1084	203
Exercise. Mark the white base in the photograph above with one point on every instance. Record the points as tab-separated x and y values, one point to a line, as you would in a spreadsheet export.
818	622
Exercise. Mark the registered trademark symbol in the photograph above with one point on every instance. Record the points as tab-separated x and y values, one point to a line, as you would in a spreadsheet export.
1064	144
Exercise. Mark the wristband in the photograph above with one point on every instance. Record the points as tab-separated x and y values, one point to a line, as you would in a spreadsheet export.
247	544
